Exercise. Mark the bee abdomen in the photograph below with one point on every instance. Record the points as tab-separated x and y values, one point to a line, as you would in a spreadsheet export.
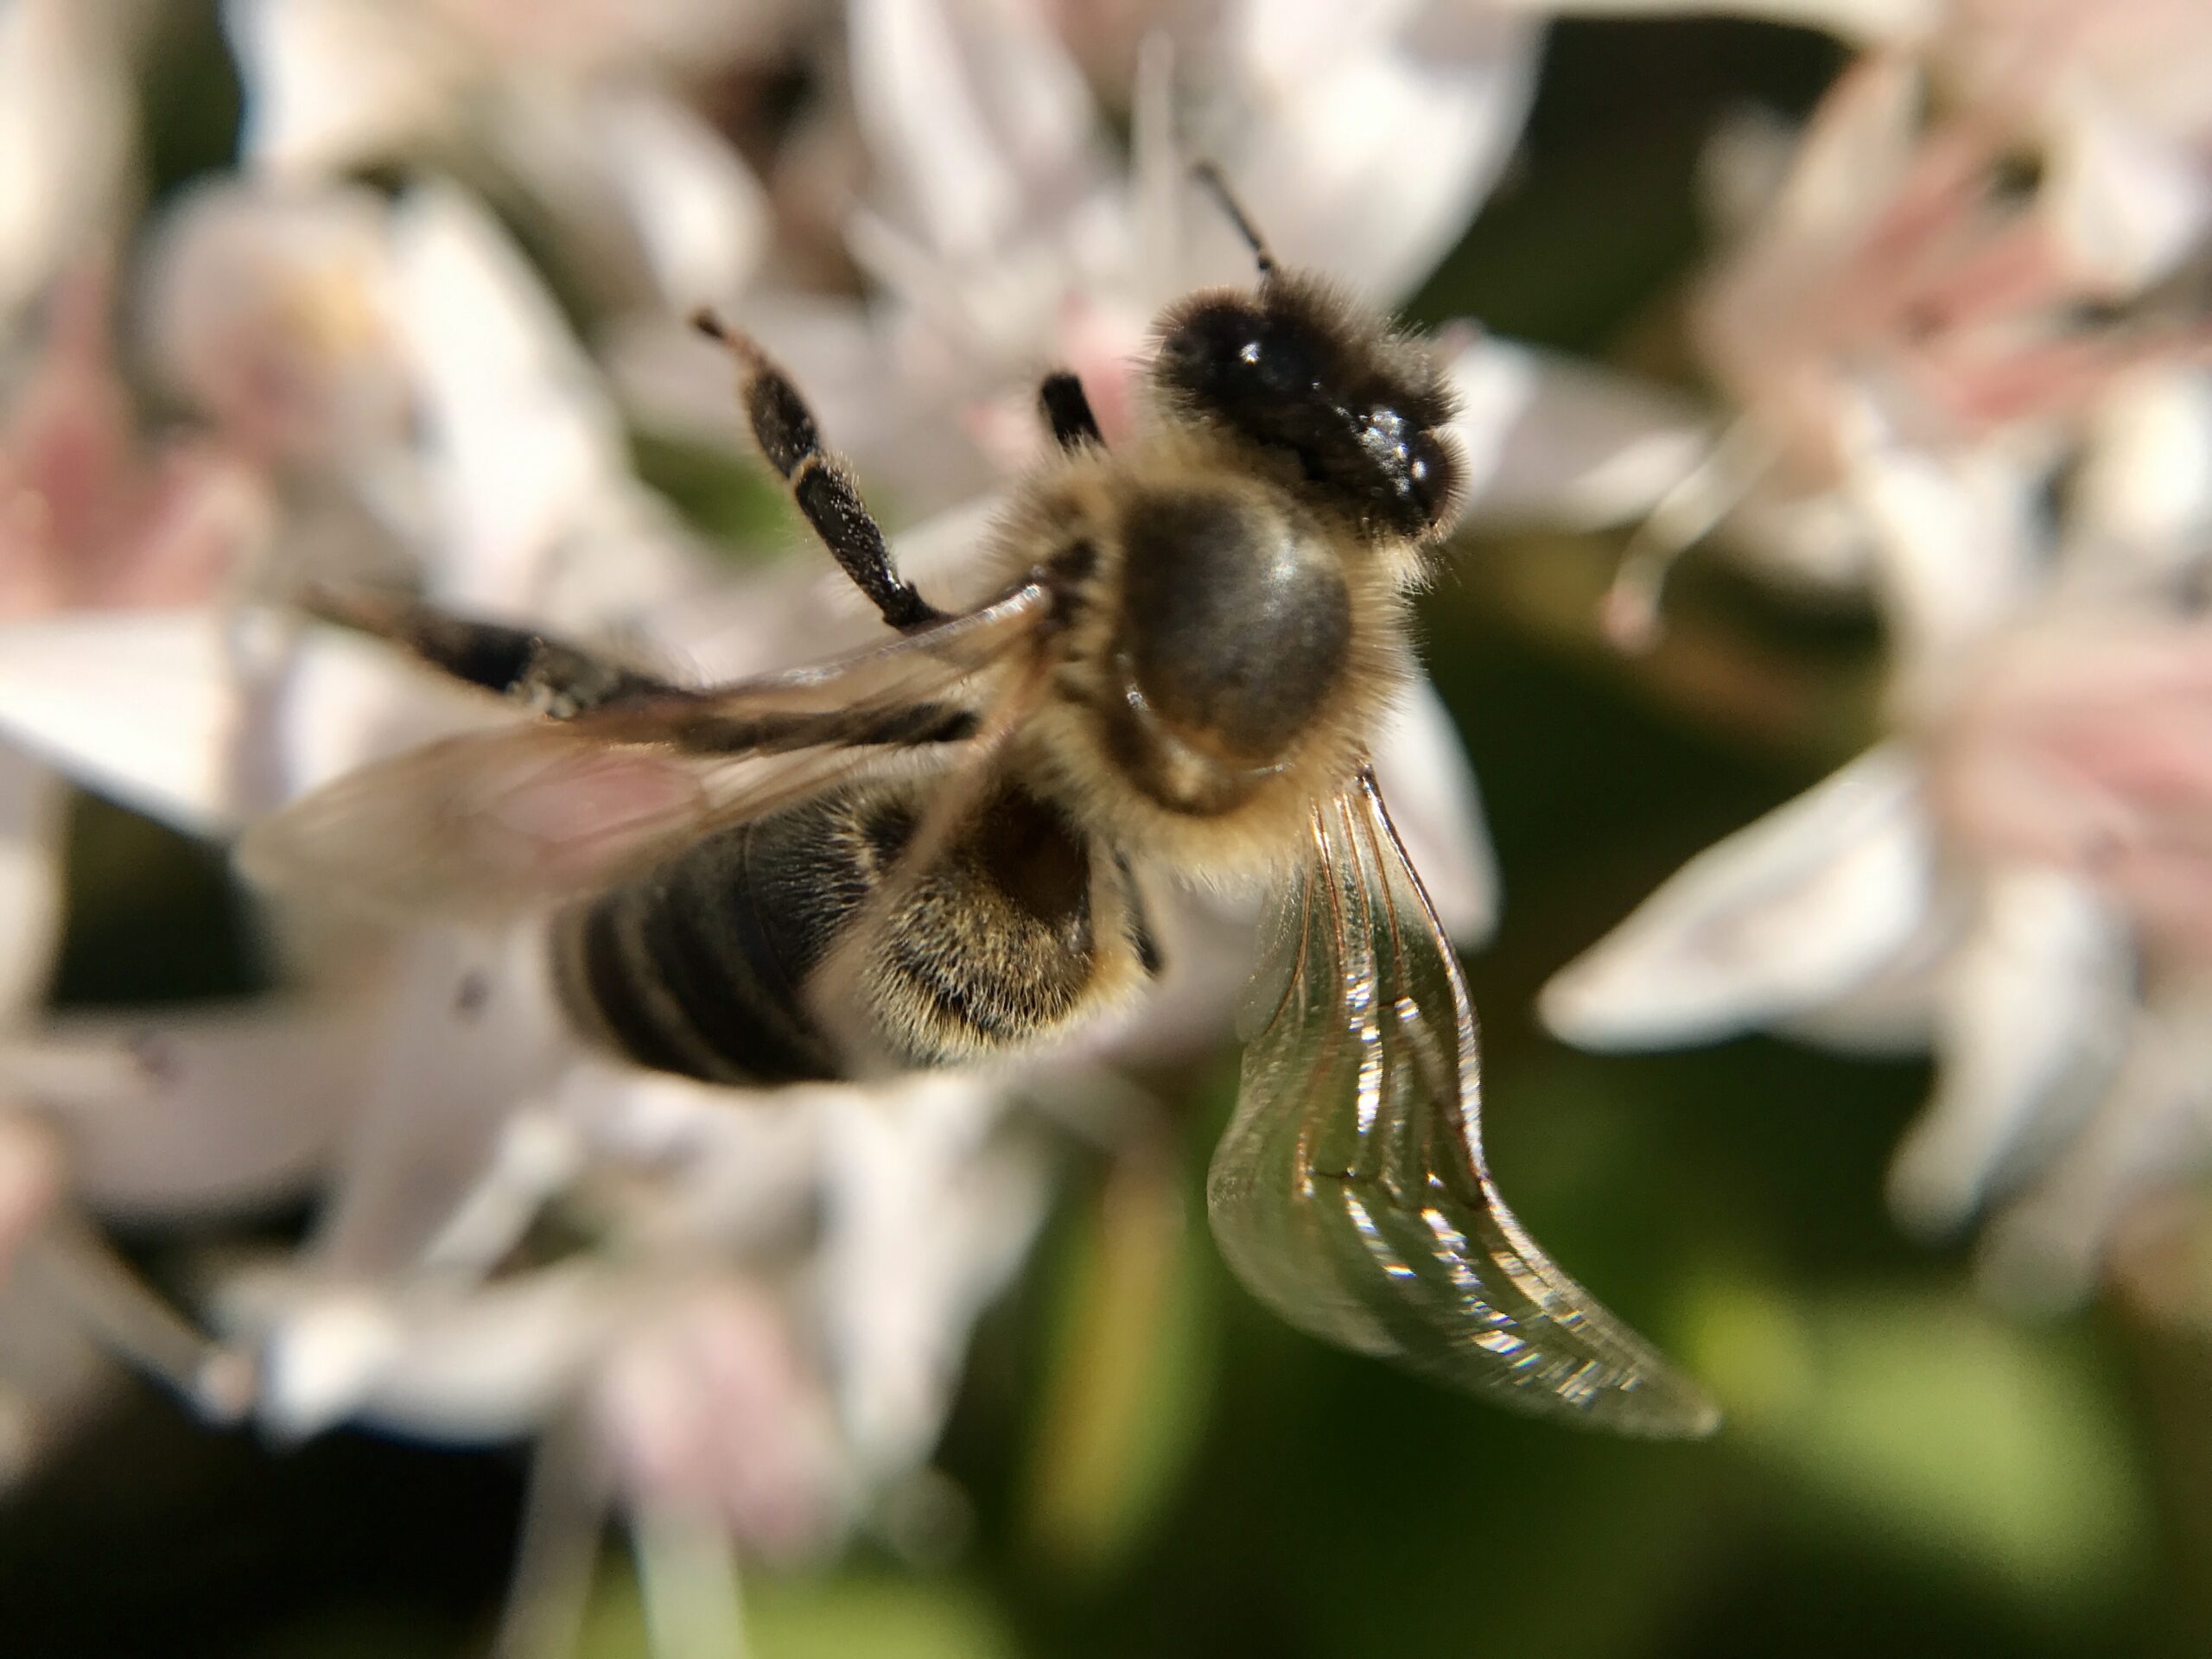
698	967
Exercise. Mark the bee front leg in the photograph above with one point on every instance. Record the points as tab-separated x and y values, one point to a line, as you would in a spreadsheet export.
784	427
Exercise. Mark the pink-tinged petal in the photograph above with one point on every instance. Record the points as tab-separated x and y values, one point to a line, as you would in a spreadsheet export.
473	1033
2086	743
2147	1134
926	1213
32	802
708	1408
1313	124
33	1180
972	108
167	1116
1554	442
67	128
526	445
2026	1014
1799	908
332	84
1422	768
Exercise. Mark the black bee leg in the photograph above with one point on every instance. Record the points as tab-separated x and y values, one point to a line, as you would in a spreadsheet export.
1208	178
784	427
1067	411
549	676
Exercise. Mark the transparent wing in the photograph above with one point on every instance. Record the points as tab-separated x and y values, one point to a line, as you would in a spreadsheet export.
497	820
1350	1193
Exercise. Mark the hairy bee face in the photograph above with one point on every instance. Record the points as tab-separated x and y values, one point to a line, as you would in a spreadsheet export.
1359	412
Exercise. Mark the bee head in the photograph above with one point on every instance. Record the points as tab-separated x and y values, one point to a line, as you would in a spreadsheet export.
1334	397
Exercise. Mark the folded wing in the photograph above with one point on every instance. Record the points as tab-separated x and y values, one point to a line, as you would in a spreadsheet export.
1350	1193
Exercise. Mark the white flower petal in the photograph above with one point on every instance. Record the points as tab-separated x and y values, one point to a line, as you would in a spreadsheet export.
68	121
1314	135
926	1217
1870	23
2149	1130
331	84
32	802
969	106
2031	1006
2140	504
169	1116
2127	205
1554	441
473	1035
1422	768
142	705
697	209
527	443
1958	538
1799	908
465	1365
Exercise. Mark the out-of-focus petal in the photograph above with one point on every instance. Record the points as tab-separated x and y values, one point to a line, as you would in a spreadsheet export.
526	443
2030	1008
697	209
2127	205
972	107
272	311
473	1035
1422	768
68	126
1958	541
332	83
32	799
1870	22
446	1363
2139	512
1798	908
142	705
1559	443
709	1407
33	1179
2148	1130
172	1116
658	205
1312	117
925	1215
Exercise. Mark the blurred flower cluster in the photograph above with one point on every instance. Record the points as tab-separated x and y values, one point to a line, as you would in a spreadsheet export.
419	333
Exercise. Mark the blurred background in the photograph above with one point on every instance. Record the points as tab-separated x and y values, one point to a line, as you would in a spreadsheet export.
1897	325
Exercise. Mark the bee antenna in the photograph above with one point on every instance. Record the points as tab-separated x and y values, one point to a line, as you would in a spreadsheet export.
1208	177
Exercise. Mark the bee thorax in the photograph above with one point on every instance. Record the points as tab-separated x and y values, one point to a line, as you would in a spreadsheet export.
1237	628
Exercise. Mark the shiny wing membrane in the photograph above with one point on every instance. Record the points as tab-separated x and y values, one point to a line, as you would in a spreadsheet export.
497	820
1350	1193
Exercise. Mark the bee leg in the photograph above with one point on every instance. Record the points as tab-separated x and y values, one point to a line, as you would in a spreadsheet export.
784	427
1067	411
555	679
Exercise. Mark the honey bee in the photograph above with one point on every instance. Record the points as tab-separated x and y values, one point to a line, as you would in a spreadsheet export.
935	851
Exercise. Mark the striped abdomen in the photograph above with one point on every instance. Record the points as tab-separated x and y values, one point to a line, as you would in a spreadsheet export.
701	965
